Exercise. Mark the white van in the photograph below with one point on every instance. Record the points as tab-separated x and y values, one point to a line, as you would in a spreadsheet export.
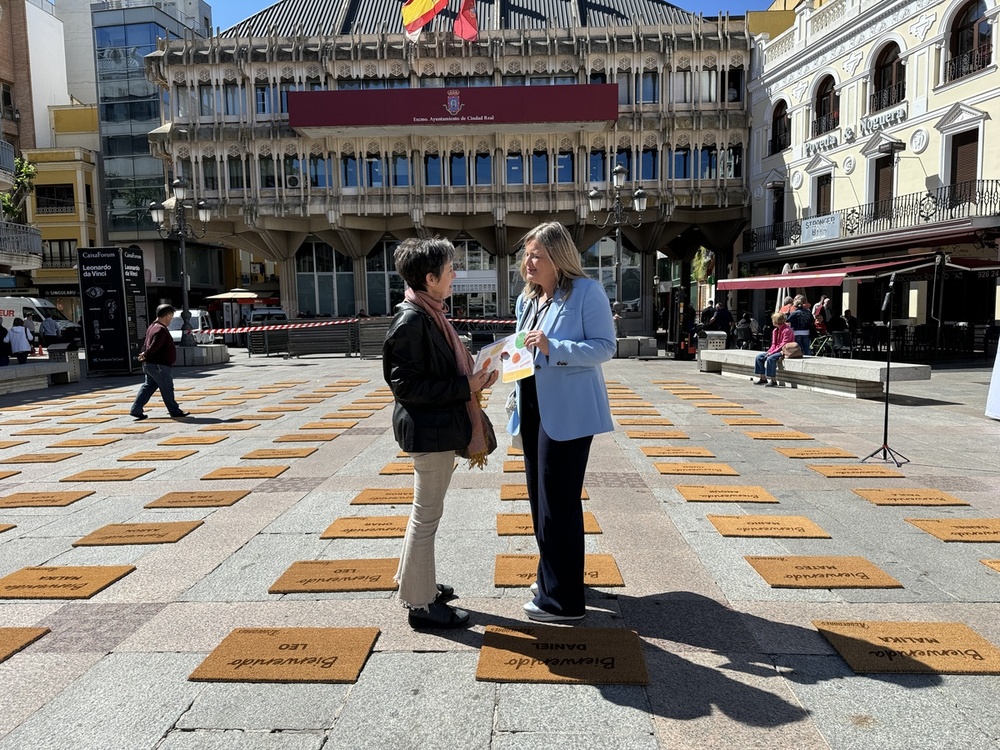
265	315
200	321
38	309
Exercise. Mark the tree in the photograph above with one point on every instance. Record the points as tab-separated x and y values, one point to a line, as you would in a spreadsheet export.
12	202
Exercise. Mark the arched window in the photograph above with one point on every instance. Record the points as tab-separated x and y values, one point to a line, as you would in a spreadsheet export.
889	84
781	129
826	108
971	42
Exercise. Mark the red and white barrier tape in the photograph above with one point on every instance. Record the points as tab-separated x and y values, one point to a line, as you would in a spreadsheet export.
292	326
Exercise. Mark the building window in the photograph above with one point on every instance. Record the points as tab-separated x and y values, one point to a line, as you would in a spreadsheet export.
598	166
374	171
824	194
348	84
709	84
458	170
59	253
964	166
234	168
884	169
971	43
649	164
210	173
826	107
283	90
681	86
599	263
484	169
206	101
512	81
681	163
734	161
348	171
623	157
889	81
7	100
781	129
55	199
598	77
432	170
647	88
709	169
564	167
400	170
732	82
262	98
233	97
267	174
515	169
325	280
624	88
385	285
89	198
319	172
292	172
539	167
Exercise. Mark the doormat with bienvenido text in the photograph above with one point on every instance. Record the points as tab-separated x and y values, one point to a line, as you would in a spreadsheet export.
805	572
552	654
384	496
199	499
315	437
107	475
908	496
751	421
656	435
64	582
960	529
724	493
246	472
690	467
7	527
911	647
779	435
13	640
521	570
520	492
366	527
278	453
779	527
647	421
158	456
329	576
519	524
94	442
332	655
166	532
731	411
865	471
815	453
43	499
673	451
194	440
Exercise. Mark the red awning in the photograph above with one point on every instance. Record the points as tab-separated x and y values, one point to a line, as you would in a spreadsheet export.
820	277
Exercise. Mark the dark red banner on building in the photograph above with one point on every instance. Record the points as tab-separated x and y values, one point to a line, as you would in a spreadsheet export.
487	105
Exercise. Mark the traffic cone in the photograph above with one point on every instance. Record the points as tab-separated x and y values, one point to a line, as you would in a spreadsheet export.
40	352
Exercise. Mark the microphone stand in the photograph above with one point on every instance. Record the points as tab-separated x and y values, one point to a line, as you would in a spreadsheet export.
885	452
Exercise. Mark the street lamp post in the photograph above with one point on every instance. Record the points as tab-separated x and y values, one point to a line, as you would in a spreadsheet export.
618	216
180	229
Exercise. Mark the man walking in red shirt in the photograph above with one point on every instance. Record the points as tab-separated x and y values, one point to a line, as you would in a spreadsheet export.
158	355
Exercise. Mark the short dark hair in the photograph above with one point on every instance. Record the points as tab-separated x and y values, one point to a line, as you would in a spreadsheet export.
415	258
164	310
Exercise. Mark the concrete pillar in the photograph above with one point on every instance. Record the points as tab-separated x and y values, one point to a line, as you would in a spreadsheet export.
360	284
849	296
288	287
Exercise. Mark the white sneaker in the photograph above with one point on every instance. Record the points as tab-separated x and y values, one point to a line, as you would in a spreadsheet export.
540	615
534	588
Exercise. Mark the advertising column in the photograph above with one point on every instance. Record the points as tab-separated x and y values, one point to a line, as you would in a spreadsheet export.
113	296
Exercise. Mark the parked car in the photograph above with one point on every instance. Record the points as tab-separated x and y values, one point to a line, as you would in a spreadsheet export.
200	321
263	315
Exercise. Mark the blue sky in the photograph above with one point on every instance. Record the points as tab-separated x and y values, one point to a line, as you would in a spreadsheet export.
225	13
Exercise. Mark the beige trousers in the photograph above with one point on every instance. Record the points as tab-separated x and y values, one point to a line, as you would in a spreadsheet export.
416	574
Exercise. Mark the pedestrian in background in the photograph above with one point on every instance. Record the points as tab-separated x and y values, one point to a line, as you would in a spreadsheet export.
19	338
4	346
158	355
564	317
49	331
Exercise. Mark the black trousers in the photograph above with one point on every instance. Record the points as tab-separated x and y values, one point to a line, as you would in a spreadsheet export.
555	471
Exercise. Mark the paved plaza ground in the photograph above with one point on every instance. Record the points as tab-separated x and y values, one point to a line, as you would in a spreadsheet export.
733	663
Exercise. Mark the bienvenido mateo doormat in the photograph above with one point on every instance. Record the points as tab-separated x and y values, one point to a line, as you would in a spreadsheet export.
817	572
569	656
329	576
911	647
777	527
332	655
65	582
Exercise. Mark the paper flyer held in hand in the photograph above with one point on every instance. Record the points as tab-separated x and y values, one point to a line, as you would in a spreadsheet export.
509	355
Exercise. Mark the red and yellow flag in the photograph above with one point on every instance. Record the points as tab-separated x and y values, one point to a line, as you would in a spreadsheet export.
419	13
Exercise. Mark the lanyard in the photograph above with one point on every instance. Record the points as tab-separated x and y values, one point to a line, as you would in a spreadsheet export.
539	313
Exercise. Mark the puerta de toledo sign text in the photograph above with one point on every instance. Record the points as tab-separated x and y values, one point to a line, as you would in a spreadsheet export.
470	106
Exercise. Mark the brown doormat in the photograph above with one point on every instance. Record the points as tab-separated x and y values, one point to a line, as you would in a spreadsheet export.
129	429
960	529
897	496
367	527
328	576
396	467
43	499
911	647
615	404
283	409
648	421
4	444
315	437
520	492
994	564
724	493
13	640
352	414
107	475
166	532
40	458
199	499
87	420
330	655
815	453
778	527
691	467
520	570
157	456
751	421
835	471
779	435
519	524
805	572
512	451
731	411
258	416
65	582
673	451
698	396
279	453
559	655
667	382
384	496
329	425
623	395
513	467
229	426
656	435
7	527
370	405
630	412
247	472
95	442
194	440
8	474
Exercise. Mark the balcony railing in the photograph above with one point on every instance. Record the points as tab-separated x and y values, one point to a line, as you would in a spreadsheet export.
974	198
56	209
968	62
779	143
17	239
825	123
7	158
887	97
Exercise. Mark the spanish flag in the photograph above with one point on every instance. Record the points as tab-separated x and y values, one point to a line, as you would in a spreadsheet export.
419	13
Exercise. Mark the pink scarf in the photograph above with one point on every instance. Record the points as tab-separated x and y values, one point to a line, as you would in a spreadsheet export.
463	361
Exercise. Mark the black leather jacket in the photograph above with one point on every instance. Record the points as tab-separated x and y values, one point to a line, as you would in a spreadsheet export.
418	364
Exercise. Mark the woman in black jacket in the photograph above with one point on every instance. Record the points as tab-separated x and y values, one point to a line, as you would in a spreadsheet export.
437	415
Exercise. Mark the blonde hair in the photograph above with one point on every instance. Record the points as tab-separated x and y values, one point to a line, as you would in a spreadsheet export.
778	318
563	253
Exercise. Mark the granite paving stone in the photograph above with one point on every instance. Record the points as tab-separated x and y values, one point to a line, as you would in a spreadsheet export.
273	707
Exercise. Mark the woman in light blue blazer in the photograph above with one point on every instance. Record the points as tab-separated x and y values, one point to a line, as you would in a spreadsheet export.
566	319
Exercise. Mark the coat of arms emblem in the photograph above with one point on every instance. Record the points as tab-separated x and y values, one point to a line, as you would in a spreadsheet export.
454	105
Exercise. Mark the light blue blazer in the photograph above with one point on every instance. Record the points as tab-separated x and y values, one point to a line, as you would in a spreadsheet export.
572	396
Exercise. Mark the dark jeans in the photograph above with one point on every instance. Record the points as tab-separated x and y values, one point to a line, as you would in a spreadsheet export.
555	470
157	376
767	364
22	357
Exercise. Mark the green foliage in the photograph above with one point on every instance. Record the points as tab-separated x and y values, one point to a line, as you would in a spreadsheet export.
12	202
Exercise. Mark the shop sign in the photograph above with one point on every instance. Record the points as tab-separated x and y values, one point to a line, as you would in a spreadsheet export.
820	228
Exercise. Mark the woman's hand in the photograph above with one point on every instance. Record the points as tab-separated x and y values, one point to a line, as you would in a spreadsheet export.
538	340
482	379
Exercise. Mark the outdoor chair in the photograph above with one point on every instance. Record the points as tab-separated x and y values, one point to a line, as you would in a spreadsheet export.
843	344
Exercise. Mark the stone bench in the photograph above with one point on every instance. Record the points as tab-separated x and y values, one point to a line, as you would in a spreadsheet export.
33	375
855	378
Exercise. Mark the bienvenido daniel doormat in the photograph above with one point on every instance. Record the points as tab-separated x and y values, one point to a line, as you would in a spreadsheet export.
551	654
911	647
329	576
806	572
13	640
333	655
64	582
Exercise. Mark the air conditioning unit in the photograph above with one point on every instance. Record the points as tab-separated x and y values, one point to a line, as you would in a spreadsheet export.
292	181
